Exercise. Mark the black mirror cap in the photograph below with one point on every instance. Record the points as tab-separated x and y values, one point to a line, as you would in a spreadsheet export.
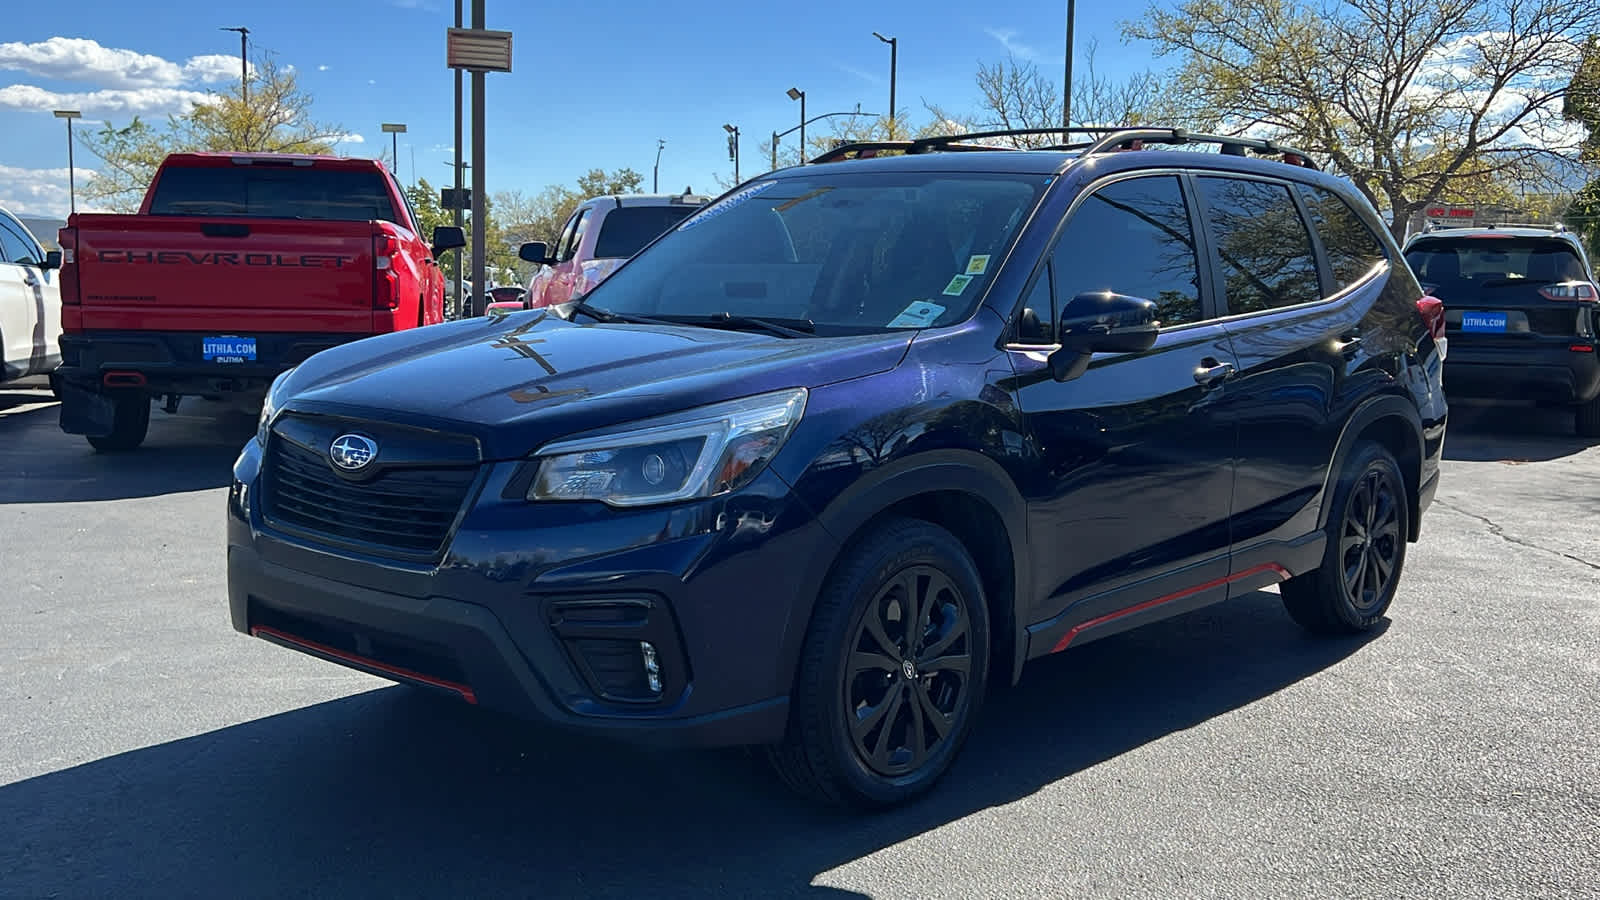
52	260
1102	322
534	252
448	237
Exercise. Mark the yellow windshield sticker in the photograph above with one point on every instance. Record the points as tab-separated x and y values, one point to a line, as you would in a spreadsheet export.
978	265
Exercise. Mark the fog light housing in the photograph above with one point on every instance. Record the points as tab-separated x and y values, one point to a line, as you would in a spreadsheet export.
652	668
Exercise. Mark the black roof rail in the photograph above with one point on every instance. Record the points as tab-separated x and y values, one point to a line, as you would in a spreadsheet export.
1117	137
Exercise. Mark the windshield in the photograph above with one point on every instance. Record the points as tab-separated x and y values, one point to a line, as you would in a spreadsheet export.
627	229
848	252
1465	267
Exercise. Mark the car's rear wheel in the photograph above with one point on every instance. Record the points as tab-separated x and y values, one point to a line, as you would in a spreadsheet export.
892	673
130	423
1366	552
1588	418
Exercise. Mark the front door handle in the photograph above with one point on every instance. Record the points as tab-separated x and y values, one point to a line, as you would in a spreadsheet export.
1212	372
1349	344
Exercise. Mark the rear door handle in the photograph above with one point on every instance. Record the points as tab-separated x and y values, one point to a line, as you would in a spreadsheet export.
1212	372
1349	344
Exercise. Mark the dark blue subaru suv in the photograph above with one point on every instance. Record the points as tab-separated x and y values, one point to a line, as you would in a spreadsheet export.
849	446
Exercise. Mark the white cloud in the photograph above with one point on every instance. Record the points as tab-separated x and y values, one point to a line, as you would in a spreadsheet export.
80	59
212	68
1008	39
142	101
40	192
372	81
349	139
322	68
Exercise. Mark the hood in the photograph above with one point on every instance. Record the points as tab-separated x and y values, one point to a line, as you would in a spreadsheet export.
516	381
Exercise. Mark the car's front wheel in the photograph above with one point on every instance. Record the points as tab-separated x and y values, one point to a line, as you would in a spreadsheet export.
1366	551
893	670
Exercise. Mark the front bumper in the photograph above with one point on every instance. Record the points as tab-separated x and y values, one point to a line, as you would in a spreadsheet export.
541	612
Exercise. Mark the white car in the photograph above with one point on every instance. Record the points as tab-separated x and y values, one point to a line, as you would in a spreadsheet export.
30	302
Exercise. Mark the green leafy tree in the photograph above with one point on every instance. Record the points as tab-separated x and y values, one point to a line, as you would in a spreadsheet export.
1582	106
1408	98
277	119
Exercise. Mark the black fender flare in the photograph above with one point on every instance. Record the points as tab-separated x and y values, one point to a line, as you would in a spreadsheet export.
1385	406
934	471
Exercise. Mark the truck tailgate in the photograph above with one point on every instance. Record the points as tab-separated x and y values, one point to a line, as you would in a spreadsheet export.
174	273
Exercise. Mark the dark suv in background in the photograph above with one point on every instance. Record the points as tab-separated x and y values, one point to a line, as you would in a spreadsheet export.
1520	315
853	443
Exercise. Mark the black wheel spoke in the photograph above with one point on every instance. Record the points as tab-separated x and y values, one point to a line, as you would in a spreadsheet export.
1383	566
933	715
959	663
1357	579
873	625
914	590
881	747
862	725
917	735
955	632
867	661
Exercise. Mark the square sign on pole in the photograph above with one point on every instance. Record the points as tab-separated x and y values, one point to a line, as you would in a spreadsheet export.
478	50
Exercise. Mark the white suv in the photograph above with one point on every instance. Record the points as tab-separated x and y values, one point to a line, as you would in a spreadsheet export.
30	302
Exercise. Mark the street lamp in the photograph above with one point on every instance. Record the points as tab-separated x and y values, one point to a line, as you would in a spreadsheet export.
394	130
797	94
894	52
244	62
655	178
1066	93
733	149
72	190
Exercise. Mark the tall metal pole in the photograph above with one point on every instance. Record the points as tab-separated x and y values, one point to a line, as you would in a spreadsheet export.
244	64
774	151
72	188
1066	88
394	144
894	51
461	300
478	155
655	179
802	128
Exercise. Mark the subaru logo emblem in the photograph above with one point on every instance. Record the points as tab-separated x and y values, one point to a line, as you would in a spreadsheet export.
352	452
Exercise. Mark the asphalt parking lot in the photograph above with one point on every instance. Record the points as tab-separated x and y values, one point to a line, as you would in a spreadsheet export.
146	749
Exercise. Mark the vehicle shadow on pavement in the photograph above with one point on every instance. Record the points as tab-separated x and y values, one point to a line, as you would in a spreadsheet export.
391	792
184	452
1503	433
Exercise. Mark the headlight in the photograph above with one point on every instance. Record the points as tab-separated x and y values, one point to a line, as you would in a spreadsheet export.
269	406
698	453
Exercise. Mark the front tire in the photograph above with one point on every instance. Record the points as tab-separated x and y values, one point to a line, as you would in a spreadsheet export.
1360	571
130	423
893	670
1588	418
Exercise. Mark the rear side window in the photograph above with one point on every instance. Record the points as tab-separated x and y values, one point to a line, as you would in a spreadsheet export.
15	247
626	230
1261	243
273	193
1132	237
1353	250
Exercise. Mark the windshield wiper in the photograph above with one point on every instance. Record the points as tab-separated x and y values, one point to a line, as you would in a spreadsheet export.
790	328
606	315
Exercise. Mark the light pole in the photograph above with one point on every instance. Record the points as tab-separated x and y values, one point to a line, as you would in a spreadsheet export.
479	51
655	178
733	149
797	94
778	135
244	62
1066	92
394	130
72	190
894	52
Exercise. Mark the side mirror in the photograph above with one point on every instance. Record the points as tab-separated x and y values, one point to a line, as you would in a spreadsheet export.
52	260
1101	322
534	252
448	237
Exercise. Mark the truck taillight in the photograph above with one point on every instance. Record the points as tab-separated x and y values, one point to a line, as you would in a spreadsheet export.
1579	291
1432	310
386	281
68	239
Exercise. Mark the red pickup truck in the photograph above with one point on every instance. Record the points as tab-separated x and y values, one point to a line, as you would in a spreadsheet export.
236	267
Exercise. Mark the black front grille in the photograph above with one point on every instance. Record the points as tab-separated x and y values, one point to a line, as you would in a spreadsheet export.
405	509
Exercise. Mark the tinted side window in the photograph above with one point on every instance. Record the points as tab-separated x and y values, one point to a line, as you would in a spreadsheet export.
1132	237
1261	242
14	247
564	243
625	231
1353	250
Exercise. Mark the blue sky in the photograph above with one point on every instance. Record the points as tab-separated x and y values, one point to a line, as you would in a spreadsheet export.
592	85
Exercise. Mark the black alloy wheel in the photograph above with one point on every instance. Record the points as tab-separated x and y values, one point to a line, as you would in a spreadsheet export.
1369	546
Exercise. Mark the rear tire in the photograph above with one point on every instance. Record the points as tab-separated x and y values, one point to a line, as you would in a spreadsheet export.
1588	418
1367	528
879	711
129	423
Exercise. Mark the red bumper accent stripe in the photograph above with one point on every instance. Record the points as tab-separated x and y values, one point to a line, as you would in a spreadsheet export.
463	690
1280	571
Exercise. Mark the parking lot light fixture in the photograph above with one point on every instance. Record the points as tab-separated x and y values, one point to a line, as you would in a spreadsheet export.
797	94
72	189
